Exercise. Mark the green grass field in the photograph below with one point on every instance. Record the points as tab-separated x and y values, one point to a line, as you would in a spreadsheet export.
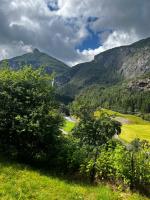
132	131
135	127
68	126
19	182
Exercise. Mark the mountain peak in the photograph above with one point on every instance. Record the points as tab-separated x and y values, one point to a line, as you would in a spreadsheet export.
36	50
110	68
37	59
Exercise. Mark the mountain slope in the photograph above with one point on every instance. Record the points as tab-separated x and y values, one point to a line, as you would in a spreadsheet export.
109	68
36	59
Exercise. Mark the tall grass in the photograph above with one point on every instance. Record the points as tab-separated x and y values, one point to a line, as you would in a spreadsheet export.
19	182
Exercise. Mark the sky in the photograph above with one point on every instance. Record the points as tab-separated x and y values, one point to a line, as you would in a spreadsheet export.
73	31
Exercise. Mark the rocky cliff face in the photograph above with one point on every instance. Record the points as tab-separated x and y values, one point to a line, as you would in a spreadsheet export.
111	67
140	85
136	64
129	61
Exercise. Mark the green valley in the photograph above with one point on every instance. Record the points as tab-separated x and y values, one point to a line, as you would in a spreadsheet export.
132	126
131	131
101	154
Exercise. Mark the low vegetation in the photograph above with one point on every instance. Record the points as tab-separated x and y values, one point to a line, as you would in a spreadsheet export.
22	182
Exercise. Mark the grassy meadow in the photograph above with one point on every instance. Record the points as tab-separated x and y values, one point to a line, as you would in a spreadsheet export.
68	126
132	131
132	126
19	182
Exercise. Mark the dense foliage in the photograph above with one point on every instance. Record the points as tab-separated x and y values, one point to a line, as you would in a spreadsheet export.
29	120
127	164
118	98
93	133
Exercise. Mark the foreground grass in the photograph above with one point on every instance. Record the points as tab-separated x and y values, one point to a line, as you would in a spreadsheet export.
135	127
18	182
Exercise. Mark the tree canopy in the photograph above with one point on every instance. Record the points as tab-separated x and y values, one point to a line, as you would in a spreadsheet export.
29	120
96	131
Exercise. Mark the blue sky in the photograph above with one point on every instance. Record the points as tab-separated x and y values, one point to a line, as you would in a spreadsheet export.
73	31
53	5
92	41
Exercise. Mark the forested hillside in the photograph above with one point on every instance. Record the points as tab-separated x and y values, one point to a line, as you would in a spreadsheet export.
121	98
109	68
37	59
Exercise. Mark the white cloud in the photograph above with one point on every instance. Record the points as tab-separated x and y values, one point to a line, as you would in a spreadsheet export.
8	50
26	22
3	53
86	8
116	39
58	32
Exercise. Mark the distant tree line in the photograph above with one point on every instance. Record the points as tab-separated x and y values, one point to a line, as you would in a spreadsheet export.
118	98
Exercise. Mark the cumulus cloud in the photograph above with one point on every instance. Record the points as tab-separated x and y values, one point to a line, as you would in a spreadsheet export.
13	49
116	39
57	27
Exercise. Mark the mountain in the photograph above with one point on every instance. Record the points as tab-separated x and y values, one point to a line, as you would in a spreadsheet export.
36	59
109	68
129	64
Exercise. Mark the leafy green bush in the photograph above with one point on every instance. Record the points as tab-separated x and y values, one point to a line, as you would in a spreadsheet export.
29	121
93	133
130	166
71	155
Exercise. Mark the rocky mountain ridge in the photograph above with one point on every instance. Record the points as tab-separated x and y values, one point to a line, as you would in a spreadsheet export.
109	68
37	59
